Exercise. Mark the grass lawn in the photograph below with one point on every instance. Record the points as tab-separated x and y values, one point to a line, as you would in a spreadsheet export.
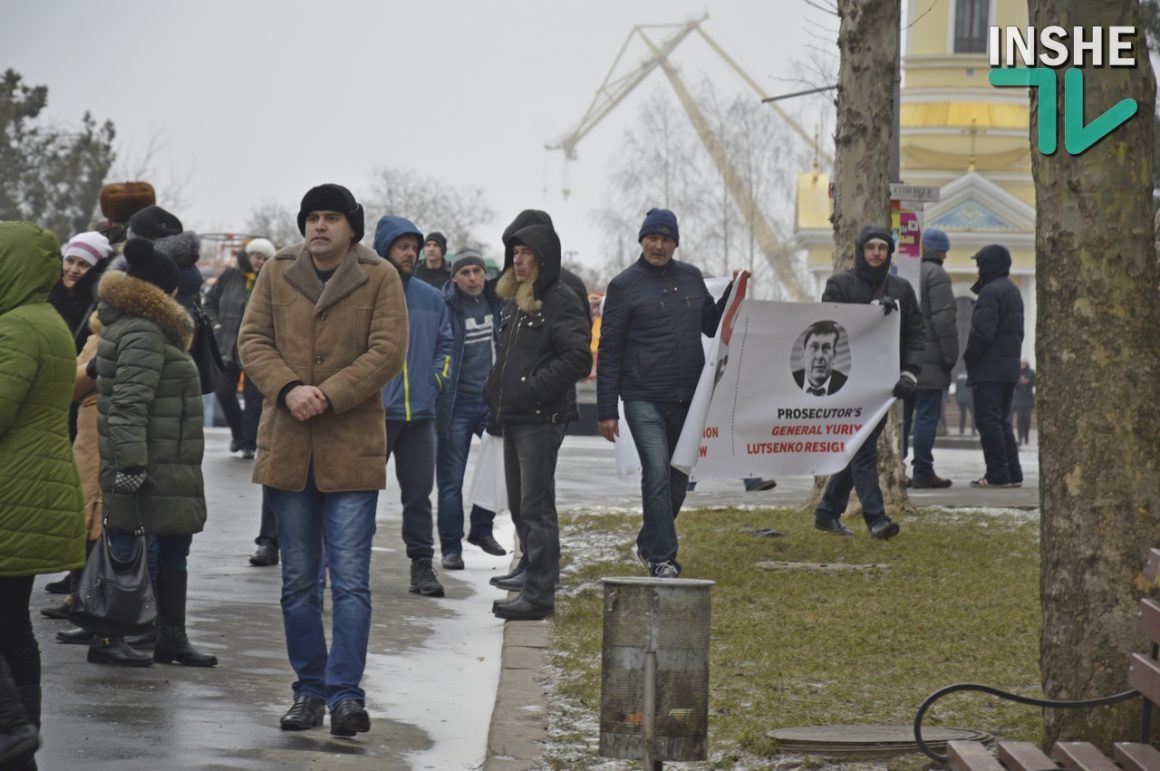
954	598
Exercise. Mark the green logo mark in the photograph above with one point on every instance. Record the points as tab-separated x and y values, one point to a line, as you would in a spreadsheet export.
1076	136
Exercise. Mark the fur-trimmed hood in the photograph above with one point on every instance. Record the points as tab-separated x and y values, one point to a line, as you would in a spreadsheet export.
122	295
534	230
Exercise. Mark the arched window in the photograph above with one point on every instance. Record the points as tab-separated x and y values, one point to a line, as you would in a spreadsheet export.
971	26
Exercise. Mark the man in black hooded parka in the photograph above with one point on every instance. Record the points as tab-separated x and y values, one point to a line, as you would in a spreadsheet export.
870	281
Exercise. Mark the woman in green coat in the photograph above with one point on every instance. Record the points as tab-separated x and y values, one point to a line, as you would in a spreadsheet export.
150	427
42	527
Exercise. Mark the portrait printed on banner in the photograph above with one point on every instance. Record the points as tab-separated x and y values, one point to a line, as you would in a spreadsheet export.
820	360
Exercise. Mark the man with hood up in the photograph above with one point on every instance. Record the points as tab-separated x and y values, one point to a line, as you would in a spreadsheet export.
543	350
992	357
870	281
411	398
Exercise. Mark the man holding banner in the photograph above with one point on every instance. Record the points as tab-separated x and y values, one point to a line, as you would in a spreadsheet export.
870	281
651	357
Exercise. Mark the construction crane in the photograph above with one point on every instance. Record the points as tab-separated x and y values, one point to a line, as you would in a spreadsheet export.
613	91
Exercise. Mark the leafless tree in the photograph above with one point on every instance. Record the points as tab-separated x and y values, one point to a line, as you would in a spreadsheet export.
432	204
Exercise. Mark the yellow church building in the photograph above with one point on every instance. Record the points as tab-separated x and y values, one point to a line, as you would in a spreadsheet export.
962	135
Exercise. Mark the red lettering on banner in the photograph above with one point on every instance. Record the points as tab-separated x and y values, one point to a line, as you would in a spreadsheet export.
702	451
711	432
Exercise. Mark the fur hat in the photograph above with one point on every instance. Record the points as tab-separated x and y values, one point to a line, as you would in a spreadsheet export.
332	197
90	247
146	264
153	223
660	222
263	246
121	200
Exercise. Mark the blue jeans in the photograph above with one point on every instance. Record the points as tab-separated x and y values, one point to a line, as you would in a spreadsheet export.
927	408
993	417
860	474
165	552
345	524
468	418
655	427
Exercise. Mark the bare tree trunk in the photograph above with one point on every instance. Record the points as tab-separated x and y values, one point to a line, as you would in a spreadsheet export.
868	42
1098	352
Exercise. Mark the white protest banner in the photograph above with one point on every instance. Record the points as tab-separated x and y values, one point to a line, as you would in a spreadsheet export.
798	389
716	354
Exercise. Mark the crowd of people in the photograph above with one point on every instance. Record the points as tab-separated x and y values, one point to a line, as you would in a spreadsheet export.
347	355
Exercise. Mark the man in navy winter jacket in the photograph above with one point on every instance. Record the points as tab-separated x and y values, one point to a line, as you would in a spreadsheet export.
410	399
651	357
474	313
992	358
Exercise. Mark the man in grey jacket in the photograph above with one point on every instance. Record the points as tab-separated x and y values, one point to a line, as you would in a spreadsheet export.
940	352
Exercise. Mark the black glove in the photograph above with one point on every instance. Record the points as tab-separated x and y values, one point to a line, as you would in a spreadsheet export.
91	368
904	388
129	480
494	429
888	304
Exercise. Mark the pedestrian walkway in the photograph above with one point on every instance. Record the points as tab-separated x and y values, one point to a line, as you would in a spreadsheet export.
434	670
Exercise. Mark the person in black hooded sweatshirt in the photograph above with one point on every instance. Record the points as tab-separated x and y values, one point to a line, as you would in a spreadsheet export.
870	281
543	349
992	358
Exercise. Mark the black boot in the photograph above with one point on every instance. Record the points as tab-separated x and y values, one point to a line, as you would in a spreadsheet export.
116	652
19	735
146	640
173	644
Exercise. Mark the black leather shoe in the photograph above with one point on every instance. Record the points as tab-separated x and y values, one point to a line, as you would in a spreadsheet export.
265	556
494	580
349	718
520	609
934	481
60	610
75	636
59	587
884	528
306	712
146	640
115	651
487	543
832	526
423	580
453	562
513	584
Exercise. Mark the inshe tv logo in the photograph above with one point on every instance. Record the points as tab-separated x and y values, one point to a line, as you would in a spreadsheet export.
1057	47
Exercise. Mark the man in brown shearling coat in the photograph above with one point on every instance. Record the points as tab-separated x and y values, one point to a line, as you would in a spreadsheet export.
325	329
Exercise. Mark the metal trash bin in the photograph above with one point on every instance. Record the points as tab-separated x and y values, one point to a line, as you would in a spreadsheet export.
654	682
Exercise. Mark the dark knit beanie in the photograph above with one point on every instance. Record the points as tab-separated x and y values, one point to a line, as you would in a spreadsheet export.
154	222
146	264
332	197
465	257
661	222
438	238
121	200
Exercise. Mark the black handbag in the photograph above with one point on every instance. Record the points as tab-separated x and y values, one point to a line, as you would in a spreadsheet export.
115	598
205	353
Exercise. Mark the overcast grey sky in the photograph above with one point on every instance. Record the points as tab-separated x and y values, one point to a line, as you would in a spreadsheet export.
263	99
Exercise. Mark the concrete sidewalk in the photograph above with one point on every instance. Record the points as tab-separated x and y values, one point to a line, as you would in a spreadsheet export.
434	670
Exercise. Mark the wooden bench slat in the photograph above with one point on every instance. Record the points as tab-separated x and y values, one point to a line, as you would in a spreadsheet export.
1024	756
1148	619
1137	757
1082	756
1144	676
1152	569
971	756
